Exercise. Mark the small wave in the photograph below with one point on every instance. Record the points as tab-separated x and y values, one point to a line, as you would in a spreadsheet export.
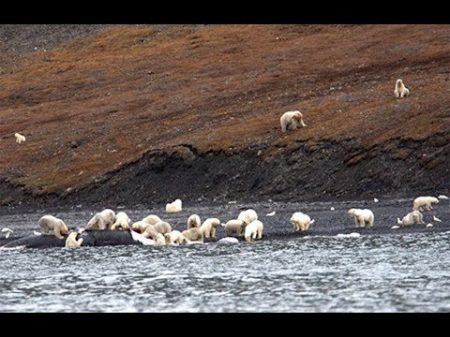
351	235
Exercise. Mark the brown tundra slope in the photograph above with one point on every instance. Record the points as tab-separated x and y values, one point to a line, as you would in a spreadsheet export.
146	114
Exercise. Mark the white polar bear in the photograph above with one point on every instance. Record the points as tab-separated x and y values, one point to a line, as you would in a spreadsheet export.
72	242
175	238
152	219
103	220
160	240
50	223
291	120
254	230
193	234
301	221
424	203
248	216
193	221
234	226
122	221
412	218
162	227
209	227
19	138
174	207
140	226
150	232
400	89
362	217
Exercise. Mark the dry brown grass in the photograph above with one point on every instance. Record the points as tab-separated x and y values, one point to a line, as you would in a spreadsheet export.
91	105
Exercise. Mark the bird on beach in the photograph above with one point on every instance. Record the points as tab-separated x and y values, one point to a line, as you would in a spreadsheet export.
375	200
271	214
436	219
429	225
443	197
7	232
331	208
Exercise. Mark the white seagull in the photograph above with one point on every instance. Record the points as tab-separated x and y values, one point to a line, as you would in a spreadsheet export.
375	200
271	214
7	232
331	208
436	219
443	197
429	225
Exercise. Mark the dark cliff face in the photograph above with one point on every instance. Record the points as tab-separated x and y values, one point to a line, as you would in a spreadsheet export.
146	114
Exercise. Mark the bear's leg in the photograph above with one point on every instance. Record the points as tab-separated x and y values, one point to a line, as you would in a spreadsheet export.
57	232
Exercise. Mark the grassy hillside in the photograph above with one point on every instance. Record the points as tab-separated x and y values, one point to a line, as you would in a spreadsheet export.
92	103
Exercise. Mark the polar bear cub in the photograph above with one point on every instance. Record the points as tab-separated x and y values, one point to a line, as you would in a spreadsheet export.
290	120
19	138
412	218
122	221
103	220
301	221
174	207
209	227
193	221
363	217
193	234
254	230
400	90
72	242
248	216
424	203
49	223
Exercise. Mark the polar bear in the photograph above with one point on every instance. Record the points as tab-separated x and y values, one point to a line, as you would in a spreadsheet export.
72	242
248	216
50	223
362	217
234	226
140	226
152	219
174	207
175	238
150	233
209	227
162	227
193	234
19	138
301	221
412	218
424	203
291	120
160	240
254	230
194	221
103	220
122	221
400	90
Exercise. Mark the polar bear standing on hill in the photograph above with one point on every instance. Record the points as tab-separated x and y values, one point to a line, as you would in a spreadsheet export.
400	89
19	138
50	223
291	120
